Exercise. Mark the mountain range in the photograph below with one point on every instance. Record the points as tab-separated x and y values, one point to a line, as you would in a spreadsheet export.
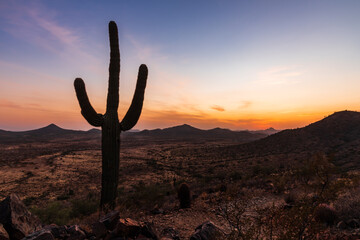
182	132
337	135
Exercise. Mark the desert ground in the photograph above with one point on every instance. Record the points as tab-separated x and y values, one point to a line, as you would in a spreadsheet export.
247	189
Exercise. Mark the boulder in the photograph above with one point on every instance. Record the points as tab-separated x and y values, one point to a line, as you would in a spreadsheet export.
75	233
3	233
169	233
148	230
207	231
99	230
129	228
43	234
110	220
353	223
341	225
59	232
16	219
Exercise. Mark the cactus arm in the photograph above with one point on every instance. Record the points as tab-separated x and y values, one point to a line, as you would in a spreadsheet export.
114	69
133	114
87	110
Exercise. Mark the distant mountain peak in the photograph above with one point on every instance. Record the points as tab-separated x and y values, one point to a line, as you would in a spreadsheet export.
186	125
52	126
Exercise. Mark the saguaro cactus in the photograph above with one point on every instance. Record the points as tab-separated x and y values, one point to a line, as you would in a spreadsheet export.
109	122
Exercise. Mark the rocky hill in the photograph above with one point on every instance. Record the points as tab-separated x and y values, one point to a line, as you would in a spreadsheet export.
337	136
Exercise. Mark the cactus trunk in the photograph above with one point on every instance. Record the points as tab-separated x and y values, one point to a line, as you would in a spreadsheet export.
109	122
110	160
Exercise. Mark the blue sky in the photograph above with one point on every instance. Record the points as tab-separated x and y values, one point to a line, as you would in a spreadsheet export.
234	64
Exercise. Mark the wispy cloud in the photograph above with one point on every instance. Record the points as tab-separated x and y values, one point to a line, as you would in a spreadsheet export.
218	108
144	51
35	24
245	104
280	75
60	33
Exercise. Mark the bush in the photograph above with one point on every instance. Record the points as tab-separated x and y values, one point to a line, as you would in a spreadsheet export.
61	213
236	176
290	198
145	196
82	207
54	212
325	214
348	206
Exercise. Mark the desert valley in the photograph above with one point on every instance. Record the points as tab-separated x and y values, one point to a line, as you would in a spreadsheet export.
251	184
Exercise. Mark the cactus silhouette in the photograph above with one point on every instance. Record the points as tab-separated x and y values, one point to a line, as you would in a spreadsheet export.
109	122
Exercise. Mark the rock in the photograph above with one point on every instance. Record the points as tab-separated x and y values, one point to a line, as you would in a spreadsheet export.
59	232
156	211
148	231
326	214
43	234
288	206
99	230
110	220
353	223
129	228
207	231
16	219
142	237
3	233
75	233
169	234
341	225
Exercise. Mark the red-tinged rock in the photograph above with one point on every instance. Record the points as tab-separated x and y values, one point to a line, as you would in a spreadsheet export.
16	219
75	233
3	233
110	220
99	230
207	231
43	234
59	232
169	234
148	230
128	227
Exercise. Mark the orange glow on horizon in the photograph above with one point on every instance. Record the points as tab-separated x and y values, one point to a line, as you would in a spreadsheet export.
17	117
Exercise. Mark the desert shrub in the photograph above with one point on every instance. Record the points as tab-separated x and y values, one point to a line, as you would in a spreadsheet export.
296	222
144	196
63	197
54	212
256	170
236	176
62	212
290	198
280	182
81	207
348	205
243	226
325	214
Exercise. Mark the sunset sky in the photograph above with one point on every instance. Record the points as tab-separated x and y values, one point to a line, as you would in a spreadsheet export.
232	64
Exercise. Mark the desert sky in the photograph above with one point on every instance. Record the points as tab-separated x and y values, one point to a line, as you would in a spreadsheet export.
232	64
